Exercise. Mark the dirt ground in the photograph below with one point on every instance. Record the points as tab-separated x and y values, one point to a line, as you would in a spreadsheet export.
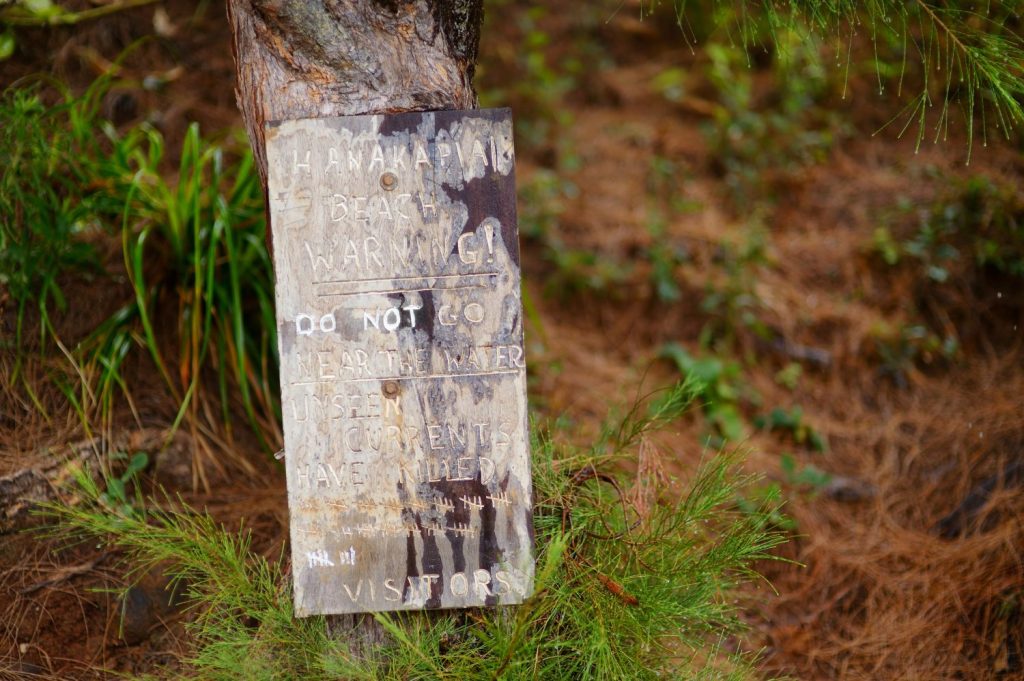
905	563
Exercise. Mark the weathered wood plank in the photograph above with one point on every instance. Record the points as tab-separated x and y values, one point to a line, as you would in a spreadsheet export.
402	366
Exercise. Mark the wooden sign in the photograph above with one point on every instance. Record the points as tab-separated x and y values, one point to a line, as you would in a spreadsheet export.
403	376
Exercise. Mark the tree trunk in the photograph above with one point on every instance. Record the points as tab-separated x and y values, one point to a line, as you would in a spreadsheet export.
321	58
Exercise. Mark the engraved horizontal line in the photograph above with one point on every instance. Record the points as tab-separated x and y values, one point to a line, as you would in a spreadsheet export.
384	280
398	290
408	378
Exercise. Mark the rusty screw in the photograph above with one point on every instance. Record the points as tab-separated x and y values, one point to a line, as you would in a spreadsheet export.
390	389
388	181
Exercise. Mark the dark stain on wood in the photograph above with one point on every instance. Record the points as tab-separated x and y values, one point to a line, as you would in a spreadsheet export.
402	360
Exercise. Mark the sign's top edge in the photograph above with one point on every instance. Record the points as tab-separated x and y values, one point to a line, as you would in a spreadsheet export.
269	125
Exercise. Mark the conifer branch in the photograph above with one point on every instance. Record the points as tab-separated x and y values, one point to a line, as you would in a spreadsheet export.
981	47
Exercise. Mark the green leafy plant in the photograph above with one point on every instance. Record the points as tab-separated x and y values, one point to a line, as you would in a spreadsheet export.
6	44
664	259
542	81
671	84
808	475
901	347
754	143
540	87
116	496
718	389
789	375
792	421
665	201
731	299
626	587
578	270
977	222
544	196
966	247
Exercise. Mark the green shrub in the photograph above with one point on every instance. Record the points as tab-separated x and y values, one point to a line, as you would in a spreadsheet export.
69	181
626	587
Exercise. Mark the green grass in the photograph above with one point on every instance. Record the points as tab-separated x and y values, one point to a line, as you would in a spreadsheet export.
199	300
217	276
623	590
52	201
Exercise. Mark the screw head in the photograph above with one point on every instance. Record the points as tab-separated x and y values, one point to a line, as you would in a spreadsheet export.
390	389
388	181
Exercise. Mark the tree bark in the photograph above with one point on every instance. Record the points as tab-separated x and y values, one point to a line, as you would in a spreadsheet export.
321	58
